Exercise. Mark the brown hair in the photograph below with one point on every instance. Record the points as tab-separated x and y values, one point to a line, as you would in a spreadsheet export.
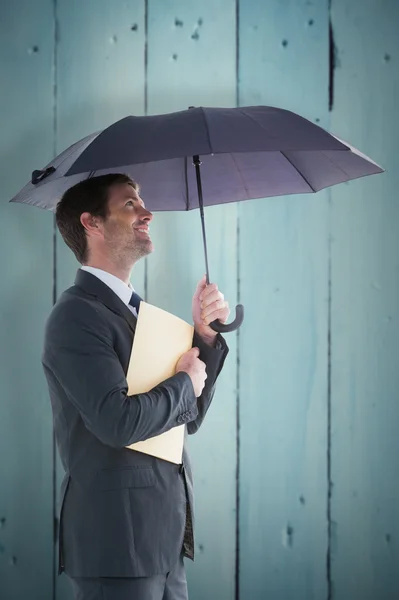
90	195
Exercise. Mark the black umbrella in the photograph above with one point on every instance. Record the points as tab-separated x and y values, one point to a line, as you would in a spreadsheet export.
247	152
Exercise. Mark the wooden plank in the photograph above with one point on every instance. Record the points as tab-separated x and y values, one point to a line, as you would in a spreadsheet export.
26	104
283	343
100	78
365	307
183	71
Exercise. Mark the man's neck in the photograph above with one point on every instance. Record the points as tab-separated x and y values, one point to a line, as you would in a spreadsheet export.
122	273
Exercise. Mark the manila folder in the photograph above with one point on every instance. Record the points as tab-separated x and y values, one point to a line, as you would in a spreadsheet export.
159	342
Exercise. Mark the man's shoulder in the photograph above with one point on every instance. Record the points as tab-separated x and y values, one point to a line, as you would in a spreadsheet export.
72	306
75	317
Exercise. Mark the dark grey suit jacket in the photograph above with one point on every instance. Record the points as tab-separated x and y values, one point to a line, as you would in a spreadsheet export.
122	513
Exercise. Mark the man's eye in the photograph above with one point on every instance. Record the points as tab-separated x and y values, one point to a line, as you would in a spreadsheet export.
130	202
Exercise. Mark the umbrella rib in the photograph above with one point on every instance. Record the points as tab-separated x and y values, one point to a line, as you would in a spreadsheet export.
299	173
252	118
208	135
240	174
72	149
335	165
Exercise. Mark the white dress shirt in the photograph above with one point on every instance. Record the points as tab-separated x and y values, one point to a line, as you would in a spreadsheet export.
119	287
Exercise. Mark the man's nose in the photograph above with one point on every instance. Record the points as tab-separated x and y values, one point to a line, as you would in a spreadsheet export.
146	215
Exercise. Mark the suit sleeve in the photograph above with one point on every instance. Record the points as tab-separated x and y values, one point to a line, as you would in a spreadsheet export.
214	359
79	352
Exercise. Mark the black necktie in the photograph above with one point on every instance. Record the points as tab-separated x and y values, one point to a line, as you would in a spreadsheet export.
135	301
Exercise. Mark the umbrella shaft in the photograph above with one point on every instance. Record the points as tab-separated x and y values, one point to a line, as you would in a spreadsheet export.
197	163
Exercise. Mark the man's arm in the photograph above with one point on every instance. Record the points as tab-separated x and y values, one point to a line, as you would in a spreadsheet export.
79	352
208	304
214	358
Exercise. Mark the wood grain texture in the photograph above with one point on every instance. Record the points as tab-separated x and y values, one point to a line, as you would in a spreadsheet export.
365	307
283	61
191	61
278	249
26	540
100	78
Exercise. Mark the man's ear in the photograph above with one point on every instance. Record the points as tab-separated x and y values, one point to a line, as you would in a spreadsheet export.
90	223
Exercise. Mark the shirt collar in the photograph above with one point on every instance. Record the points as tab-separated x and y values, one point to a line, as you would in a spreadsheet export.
119	287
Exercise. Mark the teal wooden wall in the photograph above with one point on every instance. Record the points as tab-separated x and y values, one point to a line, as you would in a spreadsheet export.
296	467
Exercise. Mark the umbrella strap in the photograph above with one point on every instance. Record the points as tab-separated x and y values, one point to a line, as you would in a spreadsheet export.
197	164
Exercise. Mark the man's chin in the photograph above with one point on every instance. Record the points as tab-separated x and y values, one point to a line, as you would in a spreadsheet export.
150	247
144	249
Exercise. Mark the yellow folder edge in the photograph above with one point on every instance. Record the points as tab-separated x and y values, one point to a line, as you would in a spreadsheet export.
159	342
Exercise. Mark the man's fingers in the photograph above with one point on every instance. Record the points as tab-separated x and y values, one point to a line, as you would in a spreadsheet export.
213	296
208	289
221	314
216	306
201	285
195	352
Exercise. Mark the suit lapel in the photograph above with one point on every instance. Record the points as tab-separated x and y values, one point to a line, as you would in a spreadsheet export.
95	287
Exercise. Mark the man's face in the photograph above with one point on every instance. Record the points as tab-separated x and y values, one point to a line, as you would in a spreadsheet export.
126	228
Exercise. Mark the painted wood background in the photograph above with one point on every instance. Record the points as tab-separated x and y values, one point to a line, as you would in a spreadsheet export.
296	467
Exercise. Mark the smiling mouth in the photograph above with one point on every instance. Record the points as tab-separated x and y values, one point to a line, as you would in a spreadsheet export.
143	230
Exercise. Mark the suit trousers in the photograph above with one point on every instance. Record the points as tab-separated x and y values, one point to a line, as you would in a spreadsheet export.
169	586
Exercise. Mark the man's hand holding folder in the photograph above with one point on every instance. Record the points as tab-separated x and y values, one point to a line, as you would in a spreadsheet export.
195	368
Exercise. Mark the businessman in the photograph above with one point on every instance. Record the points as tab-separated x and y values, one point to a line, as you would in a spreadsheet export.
126	518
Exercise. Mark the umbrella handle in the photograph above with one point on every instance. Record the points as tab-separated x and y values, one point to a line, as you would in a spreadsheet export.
226	328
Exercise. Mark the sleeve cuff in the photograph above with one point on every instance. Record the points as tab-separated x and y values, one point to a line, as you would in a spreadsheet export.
220	345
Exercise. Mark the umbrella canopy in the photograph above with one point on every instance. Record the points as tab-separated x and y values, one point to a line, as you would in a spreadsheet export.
247	152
